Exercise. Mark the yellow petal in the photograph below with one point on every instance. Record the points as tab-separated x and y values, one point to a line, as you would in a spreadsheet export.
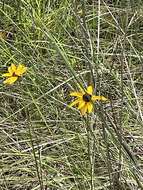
10	80
78	94
90	90
6	75
74	103
102	98
12	69
21	69
81	104
83	110
90	107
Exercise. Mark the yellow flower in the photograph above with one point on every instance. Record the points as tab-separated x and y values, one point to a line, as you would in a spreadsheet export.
85	100
14	72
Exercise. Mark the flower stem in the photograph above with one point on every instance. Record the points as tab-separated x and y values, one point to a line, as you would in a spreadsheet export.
91	152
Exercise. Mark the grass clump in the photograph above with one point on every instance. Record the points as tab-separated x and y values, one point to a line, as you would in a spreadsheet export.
47	145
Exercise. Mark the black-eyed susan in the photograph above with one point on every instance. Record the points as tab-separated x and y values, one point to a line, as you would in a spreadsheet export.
14	72
85	100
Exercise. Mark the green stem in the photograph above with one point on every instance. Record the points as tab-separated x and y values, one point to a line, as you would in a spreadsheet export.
35	158
91	152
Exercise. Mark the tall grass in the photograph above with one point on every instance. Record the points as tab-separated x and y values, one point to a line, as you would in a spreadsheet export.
45	144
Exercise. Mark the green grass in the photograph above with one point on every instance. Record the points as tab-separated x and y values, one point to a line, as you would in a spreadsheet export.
44	144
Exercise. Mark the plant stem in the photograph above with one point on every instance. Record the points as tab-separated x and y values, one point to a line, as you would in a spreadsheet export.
91	151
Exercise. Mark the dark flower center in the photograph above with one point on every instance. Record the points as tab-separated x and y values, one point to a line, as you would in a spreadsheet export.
87	97
14	75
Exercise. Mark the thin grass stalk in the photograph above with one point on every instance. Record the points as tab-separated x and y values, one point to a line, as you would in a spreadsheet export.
133	86
40	166
109	164
91	152
123	143
43	118
18	13
98	29
120	131
87	41
122	62
37	165
34	154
